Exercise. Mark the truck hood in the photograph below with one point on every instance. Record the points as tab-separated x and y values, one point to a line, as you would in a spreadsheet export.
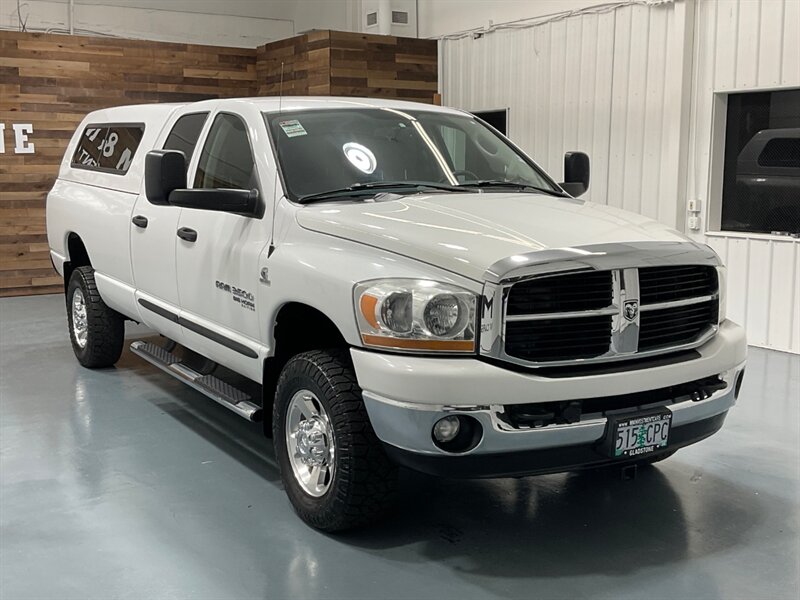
467	233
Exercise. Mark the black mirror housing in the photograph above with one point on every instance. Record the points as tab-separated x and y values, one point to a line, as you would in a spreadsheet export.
576	173
241	202
164	172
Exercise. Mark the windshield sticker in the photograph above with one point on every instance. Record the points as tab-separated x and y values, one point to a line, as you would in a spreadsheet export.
360	157
292	128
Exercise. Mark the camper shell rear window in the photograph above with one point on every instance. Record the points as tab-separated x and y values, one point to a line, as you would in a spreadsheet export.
108	147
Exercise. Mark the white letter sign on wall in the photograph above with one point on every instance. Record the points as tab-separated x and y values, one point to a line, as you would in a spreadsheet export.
22	145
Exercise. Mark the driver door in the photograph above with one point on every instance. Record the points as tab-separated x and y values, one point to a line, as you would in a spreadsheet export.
218	254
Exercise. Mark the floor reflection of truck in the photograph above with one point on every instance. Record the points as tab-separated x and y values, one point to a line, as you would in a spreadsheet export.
767	195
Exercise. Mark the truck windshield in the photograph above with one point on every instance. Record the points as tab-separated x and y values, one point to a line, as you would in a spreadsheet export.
348	152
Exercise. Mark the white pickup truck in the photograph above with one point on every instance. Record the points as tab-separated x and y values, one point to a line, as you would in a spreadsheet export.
405	285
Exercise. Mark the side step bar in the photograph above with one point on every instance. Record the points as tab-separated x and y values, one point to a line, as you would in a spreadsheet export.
213	387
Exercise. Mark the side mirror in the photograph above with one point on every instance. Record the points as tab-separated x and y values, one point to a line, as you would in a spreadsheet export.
242	202
576	173
164	171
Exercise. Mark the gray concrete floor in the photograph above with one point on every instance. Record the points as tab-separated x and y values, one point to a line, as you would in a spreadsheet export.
123	483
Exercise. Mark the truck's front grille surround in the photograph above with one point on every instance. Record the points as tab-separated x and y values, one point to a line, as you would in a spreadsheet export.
624	313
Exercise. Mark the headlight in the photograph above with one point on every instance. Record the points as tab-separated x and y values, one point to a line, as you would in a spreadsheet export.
415	315
722	280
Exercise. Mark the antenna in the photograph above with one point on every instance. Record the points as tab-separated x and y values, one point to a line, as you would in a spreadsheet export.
280	92
275	198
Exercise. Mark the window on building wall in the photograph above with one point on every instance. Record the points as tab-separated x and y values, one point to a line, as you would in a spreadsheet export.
761	178
496	118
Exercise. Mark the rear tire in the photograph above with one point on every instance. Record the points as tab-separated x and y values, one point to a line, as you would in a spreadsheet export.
333	467
97	332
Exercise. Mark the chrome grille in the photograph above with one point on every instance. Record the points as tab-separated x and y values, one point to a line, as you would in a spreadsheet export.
677	325
558	339
573	292
666	284
609	314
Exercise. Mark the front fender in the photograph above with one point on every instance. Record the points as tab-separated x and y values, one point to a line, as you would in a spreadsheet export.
321	270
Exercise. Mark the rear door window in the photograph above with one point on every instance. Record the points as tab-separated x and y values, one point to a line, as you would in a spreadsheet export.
108	147
185	133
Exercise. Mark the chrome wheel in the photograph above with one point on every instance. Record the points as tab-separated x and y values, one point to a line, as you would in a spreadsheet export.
80	326
310	442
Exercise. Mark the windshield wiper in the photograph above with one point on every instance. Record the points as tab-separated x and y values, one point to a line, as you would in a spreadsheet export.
500	183
358	189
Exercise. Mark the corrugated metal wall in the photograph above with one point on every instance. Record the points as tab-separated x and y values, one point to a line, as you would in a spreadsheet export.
601	83
742	45
627	88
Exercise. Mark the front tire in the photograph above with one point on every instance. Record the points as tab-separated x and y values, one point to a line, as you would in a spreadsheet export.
332	464
97	332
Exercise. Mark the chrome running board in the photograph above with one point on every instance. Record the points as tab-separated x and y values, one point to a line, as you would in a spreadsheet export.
223	393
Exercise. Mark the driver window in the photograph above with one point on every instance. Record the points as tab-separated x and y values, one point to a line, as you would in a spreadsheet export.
227	159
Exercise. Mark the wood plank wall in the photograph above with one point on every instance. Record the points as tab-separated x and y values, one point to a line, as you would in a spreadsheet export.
52	81
303	62
339	63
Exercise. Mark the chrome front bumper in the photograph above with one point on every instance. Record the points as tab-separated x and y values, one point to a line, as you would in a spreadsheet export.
405	395
408	426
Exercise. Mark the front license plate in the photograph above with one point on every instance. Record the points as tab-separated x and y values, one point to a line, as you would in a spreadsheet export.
641	434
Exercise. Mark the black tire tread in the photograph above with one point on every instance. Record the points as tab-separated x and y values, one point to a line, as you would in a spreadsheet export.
106	334
367	479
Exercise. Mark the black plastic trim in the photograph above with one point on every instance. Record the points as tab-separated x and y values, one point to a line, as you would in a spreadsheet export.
216	337
161	312
187	234
199	329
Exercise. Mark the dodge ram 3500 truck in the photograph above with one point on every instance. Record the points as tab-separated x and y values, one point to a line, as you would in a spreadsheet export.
404	284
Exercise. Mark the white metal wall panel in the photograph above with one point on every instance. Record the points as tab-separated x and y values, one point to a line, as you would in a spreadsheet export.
743	45
593	82
635	89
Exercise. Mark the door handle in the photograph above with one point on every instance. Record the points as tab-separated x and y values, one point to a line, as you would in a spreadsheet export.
140	221
190	235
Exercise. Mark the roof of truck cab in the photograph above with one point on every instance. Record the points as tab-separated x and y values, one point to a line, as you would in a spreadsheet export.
155	110
292	103
157	113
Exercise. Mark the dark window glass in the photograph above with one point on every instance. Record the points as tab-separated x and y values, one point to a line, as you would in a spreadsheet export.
781	152
496	118
331	149
761	180
109	148
185	133
226	160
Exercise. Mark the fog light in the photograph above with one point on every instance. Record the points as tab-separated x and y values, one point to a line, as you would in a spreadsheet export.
446	429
